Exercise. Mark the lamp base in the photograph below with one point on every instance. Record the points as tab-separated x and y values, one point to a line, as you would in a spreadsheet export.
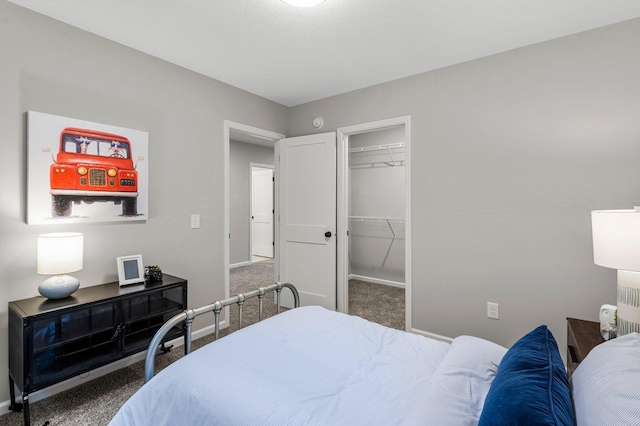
58	287
628	302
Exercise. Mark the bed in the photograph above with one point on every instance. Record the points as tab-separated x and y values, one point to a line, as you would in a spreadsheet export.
312	366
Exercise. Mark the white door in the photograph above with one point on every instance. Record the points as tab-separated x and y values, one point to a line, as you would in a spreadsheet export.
262	211
306	184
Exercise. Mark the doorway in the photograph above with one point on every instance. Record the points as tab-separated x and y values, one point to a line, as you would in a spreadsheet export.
374	208
342	207
244	141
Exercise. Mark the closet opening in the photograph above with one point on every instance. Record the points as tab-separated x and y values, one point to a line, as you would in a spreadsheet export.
375	220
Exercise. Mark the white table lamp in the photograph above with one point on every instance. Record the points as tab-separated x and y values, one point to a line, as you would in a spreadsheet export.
58	254
616	245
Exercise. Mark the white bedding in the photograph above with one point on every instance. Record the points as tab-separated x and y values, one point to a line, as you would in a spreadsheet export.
319	367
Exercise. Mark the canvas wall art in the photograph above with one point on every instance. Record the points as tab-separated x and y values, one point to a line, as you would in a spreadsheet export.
80	171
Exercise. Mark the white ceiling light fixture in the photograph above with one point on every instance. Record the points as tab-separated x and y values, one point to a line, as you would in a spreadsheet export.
303	3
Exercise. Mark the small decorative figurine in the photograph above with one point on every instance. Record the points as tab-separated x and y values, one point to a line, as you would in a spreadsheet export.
152	274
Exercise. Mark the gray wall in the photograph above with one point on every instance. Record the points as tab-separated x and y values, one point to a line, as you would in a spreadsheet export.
240	157
54	68
510	153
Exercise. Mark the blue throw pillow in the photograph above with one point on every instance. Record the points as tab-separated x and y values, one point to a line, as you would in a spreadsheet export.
531	386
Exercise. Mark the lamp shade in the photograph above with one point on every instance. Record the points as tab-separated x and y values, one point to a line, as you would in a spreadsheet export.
60	253
616	245
616	239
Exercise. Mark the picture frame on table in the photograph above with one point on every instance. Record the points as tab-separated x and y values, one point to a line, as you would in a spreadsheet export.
130	270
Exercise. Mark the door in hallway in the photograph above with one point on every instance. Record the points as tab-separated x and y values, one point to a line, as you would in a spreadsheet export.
306	184
262	211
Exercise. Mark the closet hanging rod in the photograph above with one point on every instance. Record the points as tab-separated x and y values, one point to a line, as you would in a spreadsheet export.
378	164
376	219
378	147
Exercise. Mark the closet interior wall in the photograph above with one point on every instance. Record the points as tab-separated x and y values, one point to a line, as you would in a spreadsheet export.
377	206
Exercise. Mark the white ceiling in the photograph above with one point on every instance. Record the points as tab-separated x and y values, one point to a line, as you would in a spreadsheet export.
296	55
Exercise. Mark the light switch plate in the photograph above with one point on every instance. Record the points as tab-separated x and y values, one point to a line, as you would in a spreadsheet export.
493	310
195	221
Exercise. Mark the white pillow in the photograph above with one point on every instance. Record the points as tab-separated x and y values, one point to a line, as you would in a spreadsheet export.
456	391
606	385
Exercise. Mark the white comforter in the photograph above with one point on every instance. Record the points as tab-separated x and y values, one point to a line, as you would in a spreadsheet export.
312	366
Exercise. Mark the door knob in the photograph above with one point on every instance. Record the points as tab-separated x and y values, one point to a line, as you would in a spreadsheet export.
327	234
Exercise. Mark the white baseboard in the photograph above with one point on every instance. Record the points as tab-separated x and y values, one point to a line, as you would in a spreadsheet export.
376	280
432	335
237	265
101	371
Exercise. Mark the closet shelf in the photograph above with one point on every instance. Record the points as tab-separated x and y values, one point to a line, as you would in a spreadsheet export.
377	147
390	149
387	220
376	219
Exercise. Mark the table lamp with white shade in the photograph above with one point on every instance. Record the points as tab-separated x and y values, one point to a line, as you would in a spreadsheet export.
616	245
58	254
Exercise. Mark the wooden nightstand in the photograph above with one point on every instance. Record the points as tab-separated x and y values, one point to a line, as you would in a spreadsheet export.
582	336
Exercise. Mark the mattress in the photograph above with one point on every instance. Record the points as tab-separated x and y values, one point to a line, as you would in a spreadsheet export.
312	366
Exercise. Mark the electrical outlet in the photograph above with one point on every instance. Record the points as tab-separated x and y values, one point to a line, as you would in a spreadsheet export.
195	221
493	311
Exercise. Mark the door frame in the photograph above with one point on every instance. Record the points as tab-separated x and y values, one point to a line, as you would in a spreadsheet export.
273	206
253	131
342	148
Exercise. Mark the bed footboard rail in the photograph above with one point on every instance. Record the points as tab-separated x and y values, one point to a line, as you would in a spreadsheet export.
189	315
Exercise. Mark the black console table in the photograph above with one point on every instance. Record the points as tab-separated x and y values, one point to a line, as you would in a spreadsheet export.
54	340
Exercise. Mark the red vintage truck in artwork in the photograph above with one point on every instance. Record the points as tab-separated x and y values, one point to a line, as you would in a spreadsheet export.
93	166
